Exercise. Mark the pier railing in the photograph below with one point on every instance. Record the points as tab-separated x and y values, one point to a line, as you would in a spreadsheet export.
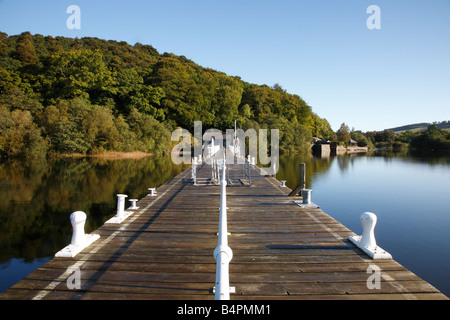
233	178
223	253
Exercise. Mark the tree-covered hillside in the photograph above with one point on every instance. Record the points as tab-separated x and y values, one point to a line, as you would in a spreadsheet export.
62	95
443	125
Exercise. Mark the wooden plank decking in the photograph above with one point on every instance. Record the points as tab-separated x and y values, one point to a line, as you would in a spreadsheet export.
165	251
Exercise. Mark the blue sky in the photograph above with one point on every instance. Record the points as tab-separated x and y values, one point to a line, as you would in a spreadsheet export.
321	50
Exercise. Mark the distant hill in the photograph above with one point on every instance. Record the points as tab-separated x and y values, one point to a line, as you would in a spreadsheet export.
444	125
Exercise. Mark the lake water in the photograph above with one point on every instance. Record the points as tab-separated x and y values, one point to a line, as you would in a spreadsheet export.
409	194
37	198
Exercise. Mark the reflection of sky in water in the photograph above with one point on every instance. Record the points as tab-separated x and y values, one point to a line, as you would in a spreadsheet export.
16	269
411	200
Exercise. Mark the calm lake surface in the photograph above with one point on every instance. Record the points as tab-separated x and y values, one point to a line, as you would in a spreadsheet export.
408	192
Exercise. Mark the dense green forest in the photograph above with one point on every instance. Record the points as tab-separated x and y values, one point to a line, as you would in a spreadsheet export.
85	96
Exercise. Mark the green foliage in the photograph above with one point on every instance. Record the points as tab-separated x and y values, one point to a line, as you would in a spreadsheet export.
90	95
362	140
19	135
433	139
343	134
76	73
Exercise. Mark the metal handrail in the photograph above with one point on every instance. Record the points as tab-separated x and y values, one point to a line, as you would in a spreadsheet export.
223	253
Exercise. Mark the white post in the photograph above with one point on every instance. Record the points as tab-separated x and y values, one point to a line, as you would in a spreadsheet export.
194	170
133	204
223	253
368	222
283	183
78	219
213	169
121	204
223	227
306	194
80	240
152	192
366	242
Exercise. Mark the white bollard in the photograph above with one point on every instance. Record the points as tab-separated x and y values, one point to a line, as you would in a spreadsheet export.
306	202
121	204
152	192
367	242
283	183
80	239
121	213
133	204
253	161
306	194
368	222
78	219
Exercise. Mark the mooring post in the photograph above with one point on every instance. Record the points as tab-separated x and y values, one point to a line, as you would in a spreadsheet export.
366	242
80	239
121	204
78	220
368	222
133	204
306	194
283	184
302	181
152	192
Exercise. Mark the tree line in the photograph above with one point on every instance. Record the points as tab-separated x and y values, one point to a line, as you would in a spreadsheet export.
432	139
84	96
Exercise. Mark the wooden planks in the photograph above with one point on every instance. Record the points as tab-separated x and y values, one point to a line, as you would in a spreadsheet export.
165	251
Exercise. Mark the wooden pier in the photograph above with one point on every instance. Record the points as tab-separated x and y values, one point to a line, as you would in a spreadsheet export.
164	250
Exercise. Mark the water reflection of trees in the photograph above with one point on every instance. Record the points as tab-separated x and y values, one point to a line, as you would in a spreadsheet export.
413	156
290	168
38	197
290	163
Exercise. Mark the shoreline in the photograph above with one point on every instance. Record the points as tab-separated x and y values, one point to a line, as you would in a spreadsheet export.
105	155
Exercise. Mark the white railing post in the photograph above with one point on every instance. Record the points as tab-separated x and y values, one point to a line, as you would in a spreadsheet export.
194	170
223	253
